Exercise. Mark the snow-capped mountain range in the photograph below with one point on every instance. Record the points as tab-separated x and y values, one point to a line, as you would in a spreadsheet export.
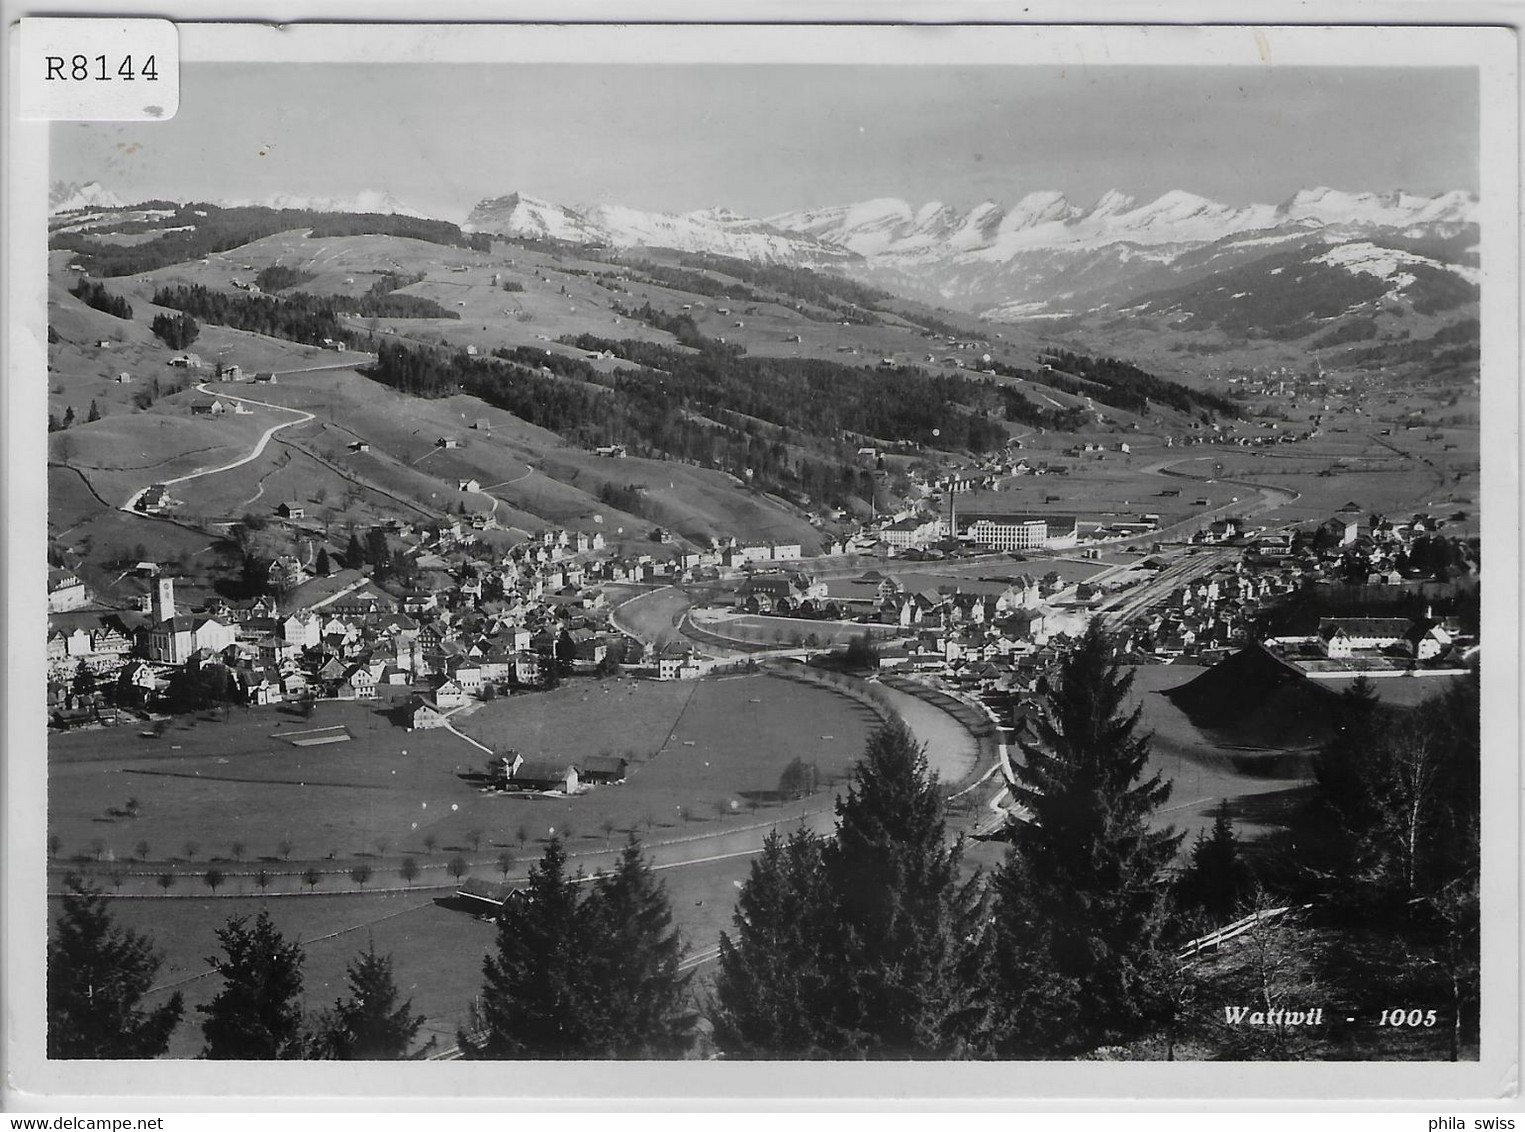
1042	254
1040	257
365	201
714	230
69	196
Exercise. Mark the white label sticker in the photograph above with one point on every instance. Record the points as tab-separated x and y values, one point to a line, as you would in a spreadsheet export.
86	70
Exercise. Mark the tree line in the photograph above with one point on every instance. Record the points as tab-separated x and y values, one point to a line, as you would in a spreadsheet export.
666	417
1130	388
95	295
299	317
197	230
853	301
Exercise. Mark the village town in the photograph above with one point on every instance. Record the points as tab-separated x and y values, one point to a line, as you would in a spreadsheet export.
471	625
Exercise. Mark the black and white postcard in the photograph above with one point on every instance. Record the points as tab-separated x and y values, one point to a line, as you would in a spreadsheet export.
973	561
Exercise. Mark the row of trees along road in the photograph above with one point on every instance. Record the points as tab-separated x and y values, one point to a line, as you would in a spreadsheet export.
876	942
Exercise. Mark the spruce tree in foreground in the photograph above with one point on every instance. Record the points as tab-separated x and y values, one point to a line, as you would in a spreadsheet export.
531	1003
905	954
257	1015
1351	774
370	1025
1080	900
584	972
633	957
772	980
866	945
98	974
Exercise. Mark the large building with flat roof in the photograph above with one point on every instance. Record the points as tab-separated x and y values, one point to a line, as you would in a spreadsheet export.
1020	531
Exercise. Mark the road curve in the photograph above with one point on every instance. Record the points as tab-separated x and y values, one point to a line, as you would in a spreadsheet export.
302	417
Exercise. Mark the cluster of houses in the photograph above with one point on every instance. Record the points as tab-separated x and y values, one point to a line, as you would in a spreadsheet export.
1000	647
478	624
1214	611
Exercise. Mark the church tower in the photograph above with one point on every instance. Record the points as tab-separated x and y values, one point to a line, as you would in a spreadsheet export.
164	600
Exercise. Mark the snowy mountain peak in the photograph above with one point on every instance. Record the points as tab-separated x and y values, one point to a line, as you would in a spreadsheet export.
67	196
1395	209
1111	203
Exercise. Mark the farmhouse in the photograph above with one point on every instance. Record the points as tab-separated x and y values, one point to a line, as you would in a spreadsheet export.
212	408
290	510
602	769
155	498
424	714
543	774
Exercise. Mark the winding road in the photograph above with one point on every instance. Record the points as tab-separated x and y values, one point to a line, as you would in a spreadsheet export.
301	417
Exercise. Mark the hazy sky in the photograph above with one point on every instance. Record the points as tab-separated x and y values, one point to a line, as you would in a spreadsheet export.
764	138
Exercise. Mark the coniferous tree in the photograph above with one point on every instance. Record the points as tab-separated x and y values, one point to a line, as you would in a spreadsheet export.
377	551
533	1002
907	937
322	566
371	1024
1217	878
585	972
866	944
633	956
1350	772
257	1014
772	979
94	414
97	976
1079	900
354	552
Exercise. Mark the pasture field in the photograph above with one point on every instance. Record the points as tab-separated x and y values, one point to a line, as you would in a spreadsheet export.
532	471
652	615
119	455
1204	771
1117	489
699	745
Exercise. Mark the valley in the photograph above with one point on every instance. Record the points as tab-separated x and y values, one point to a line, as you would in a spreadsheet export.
705	497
